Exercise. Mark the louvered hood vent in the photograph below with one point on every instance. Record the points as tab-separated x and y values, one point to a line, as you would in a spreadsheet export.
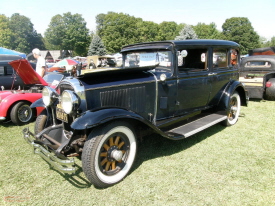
131	98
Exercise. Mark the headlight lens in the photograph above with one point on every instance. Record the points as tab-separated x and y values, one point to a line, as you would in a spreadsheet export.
48	95
69	101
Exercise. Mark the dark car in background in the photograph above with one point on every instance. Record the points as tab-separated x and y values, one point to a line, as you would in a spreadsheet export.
172	88
8	76
258	74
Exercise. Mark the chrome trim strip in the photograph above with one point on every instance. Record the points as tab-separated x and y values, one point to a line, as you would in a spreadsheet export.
156	98
120	85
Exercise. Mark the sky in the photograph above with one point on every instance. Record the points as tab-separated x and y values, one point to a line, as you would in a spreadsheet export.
259	13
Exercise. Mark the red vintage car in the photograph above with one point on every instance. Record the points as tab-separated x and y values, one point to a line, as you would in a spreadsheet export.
15	104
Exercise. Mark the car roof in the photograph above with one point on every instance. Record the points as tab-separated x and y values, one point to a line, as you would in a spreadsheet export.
8	57
259	58
180	43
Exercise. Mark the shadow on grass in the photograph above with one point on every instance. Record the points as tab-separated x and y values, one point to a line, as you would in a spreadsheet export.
75	179
151	147
155	146
10	124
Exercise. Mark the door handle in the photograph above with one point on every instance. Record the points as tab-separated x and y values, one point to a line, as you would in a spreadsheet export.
212	74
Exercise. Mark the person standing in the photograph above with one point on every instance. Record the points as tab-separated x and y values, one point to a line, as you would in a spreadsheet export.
41	63
78	67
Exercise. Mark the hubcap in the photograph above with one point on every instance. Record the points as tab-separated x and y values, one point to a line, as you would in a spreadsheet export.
117	155
24	113
112	153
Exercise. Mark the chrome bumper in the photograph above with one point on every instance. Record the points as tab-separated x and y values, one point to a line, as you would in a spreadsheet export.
65	166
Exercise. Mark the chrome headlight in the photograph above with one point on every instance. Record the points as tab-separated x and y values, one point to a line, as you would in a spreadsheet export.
69	101
49	95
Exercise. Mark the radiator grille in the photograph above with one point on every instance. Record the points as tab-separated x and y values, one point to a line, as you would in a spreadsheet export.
129	98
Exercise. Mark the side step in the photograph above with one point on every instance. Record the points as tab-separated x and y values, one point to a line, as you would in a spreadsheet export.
196	126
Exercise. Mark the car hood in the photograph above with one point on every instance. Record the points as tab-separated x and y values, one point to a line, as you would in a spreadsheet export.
27	73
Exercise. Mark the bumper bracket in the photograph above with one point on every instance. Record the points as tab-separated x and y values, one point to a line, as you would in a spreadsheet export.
62	165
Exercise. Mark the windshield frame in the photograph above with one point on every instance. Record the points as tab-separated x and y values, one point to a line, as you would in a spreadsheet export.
165	65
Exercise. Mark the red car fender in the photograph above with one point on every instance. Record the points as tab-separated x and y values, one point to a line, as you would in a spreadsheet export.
8	101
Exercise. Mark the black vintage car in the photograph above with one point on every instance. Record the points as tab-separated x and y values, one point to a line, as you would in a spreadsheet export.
172	88
258	75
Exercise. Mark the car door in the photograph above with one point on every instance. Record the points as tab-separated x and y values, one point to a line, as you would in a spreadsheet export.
223	69
193	80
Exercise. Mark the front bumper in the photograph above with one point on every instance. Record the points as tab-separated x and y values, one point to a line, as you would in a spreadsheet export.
63	165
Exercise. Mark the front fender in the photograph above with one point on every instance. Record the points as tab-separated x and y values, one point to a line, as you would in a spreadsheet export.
91	119
38	103
229	90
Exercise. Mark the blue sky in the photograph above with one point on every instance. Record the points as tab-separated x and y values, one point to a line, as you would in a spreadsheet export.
259	13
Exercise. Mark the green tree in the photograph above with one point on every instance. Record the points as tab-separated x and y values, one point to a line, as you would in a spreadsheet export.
117	30
147	31
68	32
240	30
5	32
205	31
187	33
168	30
96	47
270	43
24	38
17	33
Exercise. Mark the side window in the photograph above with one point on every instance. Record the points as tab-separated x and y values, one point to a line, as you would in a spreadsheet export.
220	59
10	70
234	57
192	60
2	71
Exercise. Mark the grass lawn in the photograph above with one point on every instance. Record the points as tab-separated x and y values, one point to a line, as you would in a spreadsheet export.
218	166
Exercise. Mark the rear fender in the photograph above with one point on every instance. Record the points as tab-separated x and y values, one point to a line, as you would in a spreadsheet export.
267	77
229	90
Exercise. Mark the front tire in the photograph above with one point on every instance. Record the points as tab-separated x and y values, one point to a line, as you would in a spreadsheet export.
41	122
109	154
22	113
234	108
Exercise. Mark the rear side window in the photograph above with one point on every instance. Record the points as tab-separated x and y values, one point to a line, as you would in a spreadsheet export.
6	70
220	59
258	64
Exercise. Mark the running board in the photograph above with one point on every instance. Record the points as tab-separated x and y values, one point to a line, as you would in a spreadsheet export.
196	126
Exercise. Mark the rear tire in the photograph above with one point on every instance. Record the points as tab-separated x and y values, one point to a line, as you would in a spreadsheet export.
270	91
109	154
22	113
234	108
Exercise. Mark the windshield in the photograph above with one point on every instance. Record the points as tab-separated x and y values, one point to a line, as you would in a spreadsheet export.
162	59
53	78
